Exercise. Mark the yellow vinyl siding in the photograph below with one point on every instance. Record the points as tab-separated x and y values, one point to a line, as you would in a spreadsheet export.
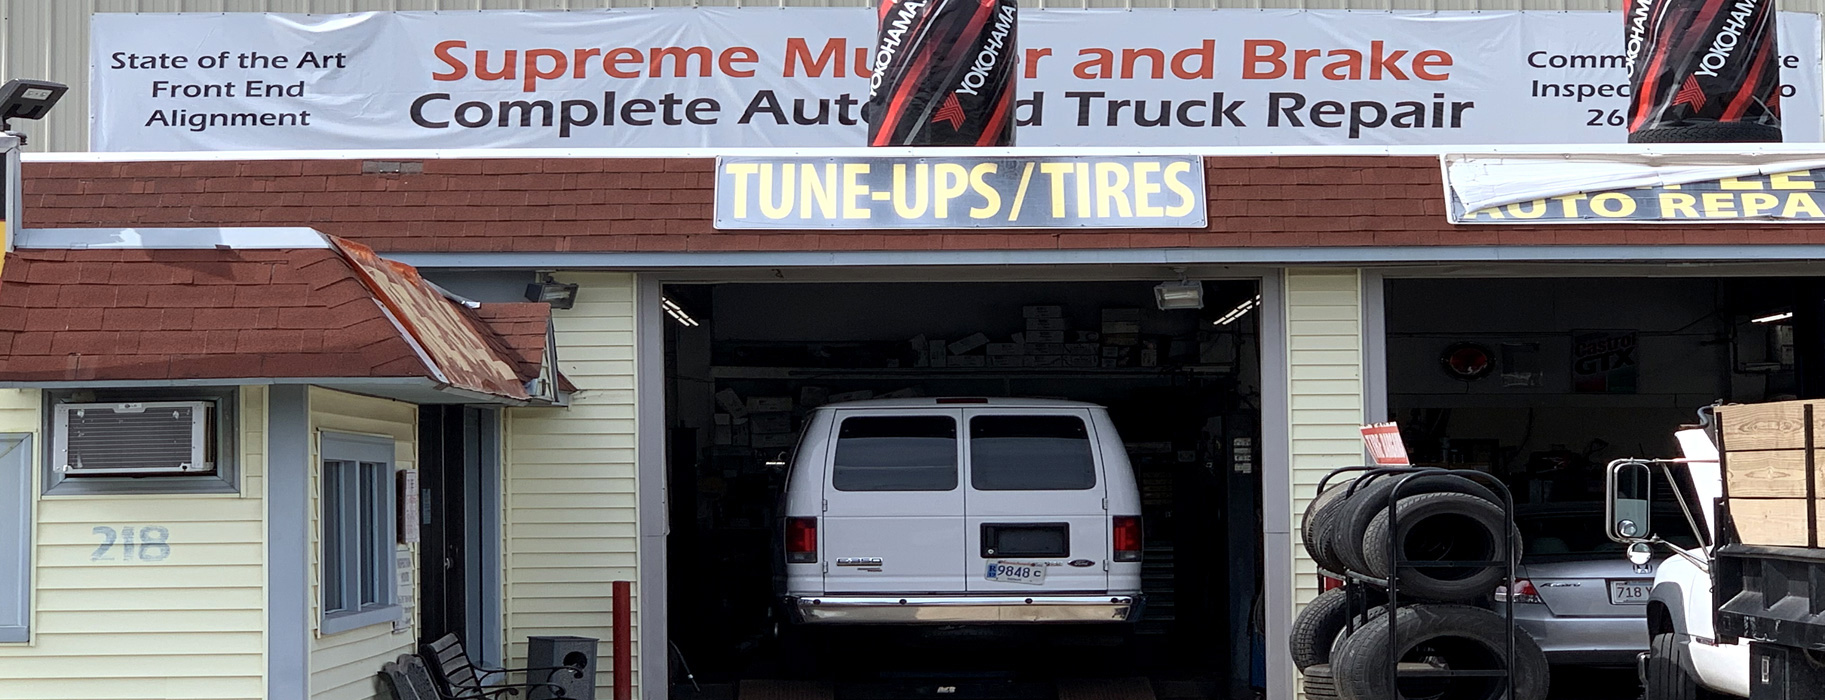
188	626
342	666
1324	375
570	489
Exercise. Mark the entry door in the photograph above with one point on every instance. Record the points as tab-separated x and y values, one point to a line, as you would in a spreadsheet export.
893	498
1035	496
458	570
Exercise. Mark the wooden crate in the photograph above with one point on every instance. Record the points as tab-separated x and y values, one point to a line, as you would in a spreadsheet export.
1765	472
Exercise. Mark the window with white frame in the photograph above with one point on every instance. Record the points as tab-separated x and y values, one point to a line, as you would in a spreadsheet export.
358	581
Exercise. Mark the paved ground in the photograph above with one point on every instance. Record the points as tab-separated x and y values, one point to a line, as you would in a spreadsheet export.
1572	683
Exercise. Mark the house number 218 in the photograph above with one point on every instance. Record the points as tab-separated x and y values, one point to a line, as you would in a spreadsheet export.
152	543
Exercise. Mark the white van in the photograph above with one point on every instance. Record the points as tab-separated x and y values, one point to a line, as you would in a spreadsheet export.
961	511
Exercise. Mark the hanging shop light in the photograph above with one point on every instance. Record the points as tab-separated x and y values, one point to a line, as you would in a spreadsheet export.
677	313
1182	294
1237	313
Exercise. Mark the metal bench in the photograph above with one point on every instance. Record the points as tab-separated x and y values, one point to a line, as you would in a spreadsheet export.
460	679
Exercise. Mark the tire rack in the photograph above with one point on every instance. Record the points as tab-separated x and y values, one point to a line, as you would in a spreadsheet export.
1355	584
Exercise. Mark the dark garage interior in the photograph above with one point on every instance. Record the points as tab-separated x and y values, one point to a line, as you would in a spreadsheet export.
1181	386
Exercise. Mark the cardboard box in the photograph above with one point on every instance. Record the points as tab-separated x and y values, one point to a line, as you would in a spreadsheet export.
862	395
1109	363
1086	337
974	341
921	348
1082	361
1046	360
770	423
1004	349
935	353
722	419
1047	324
1121	321
722	435
774	441
813	396
769	404
731	402
969	361
1082	348
1042	311
1045	348
1150	353
1020	338
1044	337
1006	361
1122	339
1113	327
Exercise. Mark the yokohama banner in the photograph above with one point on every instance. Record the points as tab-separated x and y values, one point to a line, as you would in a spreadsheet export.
729	78
1703	71
943	74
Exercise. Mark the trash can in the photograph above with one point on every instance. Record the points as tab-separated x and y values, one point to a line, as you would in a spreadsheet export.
574	652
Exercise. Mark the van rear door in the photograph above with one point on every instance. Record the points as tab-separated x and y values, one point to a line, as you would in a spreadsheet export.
1035	499
893	503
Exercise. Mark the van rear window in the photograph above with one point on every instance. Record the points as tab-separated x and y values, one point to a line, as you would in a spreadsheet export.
1030	453
898	453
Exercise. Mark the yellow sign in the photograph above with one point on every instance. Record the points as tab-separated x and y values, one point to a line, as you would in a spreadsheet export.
960	192
1796	196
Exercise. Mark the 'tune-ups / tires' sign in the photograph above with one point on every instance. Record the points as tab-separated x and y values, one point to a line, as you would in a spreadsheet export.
798	77
960	192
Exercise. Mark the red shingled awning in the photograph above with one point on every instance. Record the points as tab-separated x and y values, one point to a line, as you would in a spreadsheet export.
338	313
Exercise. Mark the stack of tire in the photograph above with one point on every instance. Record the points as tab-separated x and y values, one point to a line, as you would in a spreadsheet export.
1443	620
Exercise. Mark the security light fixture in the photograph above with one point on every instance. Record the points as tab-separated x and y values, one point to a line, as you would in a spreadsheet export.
28	99
1771	318
558	294
1179	295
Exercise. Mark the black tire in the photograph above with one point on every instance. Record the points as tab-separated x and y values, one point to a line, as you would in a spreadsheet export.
1714	132
1372	498
1318	682
1666	674
1317	627
1451	636
1314	525
1440	527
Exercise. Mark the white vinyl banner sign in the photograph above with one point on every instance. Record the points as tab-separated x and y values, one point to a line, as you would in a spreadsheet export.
798	77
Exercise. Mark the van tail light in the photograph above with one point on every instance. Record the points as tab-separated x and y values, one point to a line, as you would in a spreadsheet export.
1524	593
801	540
1127	537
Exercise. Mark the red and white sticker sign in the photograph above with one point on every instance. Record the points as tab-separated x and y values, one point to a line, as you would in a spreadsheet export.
1385	445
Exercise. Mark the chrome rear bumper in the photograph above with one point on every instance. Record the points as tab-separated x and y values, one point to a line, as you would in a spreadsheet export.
845	609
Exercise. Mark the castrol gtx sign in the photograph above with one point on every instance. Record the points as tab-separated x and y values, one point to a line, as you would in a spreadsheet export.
802	77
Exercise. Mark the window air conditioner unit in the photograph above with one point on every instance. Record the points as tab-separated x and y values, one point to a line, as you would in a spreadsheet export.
154	437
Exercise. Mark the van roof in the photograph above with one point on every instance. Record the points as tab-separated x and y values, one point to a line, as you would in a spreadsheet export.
961	402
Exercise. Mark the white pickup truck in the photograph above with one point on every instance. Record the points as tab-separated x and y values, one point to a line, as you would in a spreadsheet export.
1684	658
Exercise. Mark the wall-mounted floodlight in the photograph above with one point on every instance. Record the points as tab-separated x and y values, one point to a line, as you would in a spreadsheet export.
558	294
28	99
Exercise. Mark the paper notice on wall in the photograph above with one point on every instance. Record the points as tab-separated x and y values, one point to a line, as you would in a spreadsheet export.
1385	446
798	77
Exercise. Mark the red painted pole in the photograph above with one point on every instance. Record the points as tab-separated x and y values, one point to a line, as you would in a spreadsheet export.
622	644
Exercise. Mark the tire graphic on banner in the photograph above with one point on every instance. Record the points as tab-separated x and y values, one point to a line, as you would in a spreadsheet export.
943	74
1702	71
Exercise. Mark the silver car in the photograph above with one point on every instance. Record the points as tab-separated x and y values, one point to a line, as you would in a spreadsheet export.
1576	593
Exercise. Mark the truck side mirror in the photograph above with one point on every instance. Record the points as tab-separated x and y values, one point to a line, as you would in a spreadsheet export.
1628	506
